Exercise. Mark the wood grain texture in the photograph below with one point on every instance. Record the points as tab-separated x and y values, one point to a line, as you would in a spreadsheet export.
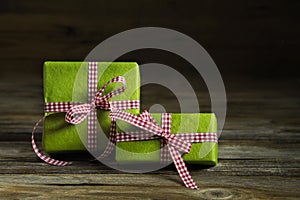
145	186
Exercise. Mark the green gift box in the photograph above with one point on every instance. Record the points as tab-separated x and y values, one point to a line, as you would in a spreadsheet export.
205	153
68	82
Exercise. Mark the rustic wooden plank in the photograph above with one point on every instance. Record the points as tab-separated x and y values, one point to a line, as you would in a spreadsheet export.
237	158
146	186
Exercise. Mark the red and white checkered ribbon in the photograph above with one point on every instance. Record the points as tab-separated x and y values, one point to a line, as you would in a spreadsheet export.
76	112
174	142
42	156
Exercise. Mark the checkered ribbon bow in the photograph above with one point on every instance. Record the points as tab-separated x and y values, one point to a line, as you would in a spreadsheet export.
174	143
78	113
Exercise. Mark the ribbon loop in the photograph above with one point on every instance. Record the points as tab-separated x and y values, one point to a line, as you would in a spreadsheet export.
78	113
117	79
42	155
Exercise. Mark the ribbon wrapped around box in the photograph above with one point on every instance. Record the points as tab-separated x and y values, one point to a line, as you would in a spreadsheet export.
86	87
196	128
171	145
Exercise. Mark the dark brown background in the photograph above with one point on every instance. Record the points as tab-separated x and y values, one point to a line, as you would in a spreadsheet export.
254	43
255	38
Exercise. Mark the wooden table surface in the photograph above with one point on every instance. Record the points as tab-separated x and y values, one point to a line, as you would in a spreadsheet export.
258	149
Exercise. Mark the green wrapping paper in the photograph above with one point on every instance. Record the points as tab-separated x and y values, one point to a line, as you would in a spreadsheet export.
148	151
67	82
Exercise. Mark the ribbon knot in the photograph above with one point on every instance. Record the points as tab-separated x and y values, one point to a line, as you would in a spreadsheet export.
78	113
93	105
174	143
146	122
165	135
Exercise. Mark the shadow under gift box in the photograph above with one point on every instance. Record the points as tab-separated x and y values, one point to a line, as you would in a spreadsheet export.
205	153
68	82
